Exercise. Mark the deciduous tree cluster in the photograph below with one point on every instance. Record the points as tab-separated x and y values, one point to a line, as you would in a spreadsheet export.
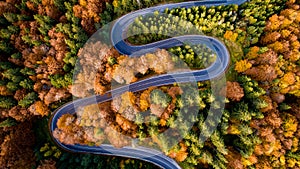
41	40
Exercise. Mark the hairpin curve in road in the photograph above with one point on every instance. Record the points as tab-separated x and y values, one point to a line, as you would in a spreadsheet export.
213	71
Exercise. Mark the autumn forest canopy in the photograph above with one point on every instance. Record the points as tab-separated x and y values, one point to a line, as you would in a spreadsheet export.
45	58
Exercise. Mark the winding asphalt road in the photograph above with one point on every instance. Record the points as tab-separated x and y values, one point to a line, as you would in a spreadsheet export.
213	71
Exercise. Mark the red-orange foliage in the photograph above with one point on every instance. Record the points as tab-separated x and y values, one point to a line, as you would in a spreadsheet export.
17	147
233	91
88	11
262	73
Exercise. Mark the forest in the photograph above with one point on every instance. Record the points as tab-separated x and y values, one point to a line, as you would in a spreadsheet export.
42	41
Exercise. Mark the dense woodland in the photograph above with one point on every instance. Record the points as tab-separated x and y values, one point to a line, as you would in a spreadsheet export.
41	40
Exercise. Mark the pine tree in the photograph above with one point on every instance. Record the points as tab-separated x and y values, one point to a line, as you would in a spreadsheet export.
5	65
5	34
8	123
60	81
7	102
5	47
27	71
12	86
218	141
10	17
28	99
241	112
27	84
11	73
159	97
